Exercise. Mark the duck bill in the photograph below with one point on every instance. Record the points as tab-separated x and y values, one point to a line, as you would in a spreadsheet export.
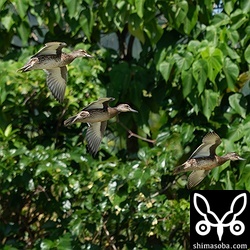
133	110
241	159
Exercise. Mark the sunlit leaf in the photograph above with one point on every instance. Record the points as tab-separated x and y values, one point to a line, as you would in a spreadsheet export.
8	130
7	22
139	4
228	5
214	59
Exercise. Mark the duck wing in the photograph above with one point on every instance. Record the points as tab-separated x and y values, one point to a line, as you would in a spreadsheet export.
94	136
56	81
99	104
196	177
209	144
53	48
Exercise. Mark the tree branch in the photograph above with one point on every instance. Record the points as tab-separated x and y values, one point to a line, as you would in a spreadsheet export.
132	134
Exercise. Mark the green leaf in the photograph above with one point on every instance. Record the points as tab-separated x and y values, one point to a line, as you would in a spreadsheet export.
233	36
8	131
228	5
236	134
191	19
64	242
245	176
228	183
137	32
245	6
181	10
22	7
3	94
153	30
220	19
238	102
165	69
214	58
193	46
187	83
24	32
135	27
247	54
199	70
212	34
47	244
226	50
183	62
210	100
231	72
139	5
238	18
7	22
2	2
87	22
72	7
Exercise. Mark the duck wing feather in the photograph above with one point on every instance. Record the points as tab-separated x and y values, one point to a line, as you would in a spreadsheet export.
94	136
209	144
52	48
99	104
56	81
196	177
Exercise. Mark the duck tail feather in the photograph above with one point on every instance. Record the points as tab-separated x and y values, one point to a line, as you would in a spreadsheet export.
70	121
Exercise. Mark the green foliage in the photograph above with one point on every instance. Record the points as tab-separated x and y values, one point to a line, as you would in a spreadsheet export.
185	69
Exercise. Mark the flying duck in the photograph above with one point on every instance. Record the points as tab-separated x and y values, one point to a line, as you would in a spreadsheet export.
53	61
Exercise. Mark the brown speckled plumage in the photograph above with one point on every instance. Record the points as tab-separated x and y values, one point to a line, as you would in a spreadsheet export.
96	115
53	61
203	159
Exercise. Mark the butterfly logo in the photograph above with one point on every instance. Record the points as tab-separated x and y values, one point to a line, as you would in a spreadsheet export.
203	227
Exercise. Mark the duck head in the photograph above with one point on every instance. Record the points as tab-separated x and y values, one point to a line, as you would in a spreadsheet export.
81	53
234	157
125	108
